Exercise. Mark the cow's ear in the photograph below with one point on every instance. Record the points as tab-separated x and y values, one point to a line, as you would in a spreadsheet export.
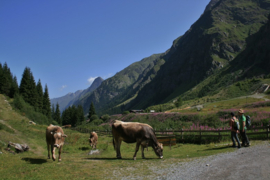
63	135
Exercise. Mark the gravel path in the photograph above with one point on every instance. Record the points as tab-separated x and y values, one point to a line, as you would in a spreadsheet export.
246	163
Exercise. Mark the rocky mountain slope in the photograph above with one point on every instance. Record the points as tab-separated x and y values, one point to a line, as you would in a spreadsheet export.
214	43
70	98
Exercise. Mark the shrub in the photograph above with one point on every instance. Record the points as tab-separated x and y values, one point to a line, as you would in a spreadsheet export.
105	117
93	117
126	112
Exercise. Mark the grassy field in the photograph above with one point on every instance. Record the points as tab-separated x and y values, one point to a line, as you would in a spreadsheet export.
76	161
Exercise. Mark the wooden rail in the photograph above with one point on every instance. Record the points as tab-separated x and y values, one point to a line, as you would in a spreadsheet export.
169	137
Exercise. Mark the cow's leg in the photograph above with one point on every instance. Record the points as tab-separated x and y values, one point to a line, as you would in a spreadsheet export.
48	147
136	150
60	150
118	145
53	152
142	148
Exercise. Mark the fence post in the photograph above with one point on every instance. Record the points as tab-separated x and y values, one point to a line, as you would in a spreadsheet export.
200	135
268	132
219	135
182	134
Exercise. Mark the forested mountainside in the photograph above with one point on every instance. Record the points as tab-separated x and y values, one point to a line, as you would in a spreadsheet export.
212	42
217	40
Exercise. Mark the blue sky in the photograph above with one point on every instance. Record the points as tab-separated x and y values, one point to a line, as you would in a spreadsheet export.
67	43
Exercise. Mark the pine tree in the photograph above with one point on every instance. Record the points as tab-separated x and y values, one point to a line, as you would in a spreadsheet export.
57	115
46	103
39	96
92	110
80	114
6	80
24	88
74	115
1	78
14	88
32	91
179	102
53	112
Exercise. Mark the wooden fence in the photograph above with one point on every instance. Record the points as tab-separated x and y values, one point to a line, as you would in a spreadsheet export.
170	137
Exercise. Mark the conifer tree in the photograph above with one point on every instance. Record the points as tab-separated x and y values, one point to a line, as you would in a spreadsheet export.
14	88
1	78
32	91
24	88
92	110
39	96
53	112
57	115
80	114
46	103
179	102
6	80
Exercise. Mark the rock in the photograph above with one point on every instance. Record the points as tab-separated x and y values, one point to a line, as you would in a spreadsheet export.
94	152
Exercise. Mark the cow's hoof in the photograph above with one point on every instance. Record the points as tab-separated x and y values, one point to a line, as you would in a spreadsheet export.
161	157
119	157
134	158
59	160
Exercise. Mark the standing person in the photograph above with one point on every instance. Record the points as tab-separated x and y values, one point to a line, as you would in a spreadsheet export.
234	131
242	122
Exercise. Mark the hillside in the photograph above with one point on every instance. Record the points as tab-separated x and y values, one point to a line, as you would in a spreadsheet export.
206	60
118	85
210	45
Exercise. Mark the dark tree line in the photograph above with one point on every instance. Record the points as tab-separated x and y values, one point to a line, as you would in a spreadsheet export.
8	82
73	115
31	92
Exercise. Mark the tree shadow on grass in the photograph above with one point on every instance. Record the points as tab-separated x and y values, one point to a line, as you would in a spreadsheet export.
35	160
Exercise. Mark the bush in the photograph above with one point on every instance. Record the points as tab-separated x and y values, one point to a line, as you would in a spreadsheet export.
105	117
93	117
96	122
126	112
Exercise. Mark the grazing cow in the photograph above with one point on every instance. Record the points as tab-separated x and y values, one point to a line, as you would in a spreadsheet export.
66	126
55	138
131	132
93	140
32	122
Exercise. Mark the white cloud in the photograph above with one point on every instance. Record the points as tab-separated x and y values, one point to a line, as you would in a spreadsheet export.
91	80
63	87
107	76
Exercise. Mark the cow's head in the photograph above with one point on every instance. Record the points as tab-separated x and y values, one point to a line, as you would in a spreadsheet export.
91	142
159	150
58	138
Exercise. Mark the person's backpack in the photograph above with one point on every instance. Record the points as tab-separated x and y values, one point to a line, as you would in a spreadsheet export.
236	124
248	121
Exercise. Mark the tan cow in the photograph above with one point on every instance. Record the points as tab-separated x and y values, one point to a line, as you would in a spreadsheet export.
131	132
66	126
55	138
93	140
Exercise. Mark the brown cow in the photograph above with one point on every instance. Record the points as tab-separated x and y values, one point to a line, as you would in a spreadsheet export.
55	138
93	140
66	126
131	132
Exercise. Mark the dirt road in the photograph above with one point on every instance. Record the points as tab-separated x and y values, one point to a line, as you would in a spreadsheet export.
245	163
